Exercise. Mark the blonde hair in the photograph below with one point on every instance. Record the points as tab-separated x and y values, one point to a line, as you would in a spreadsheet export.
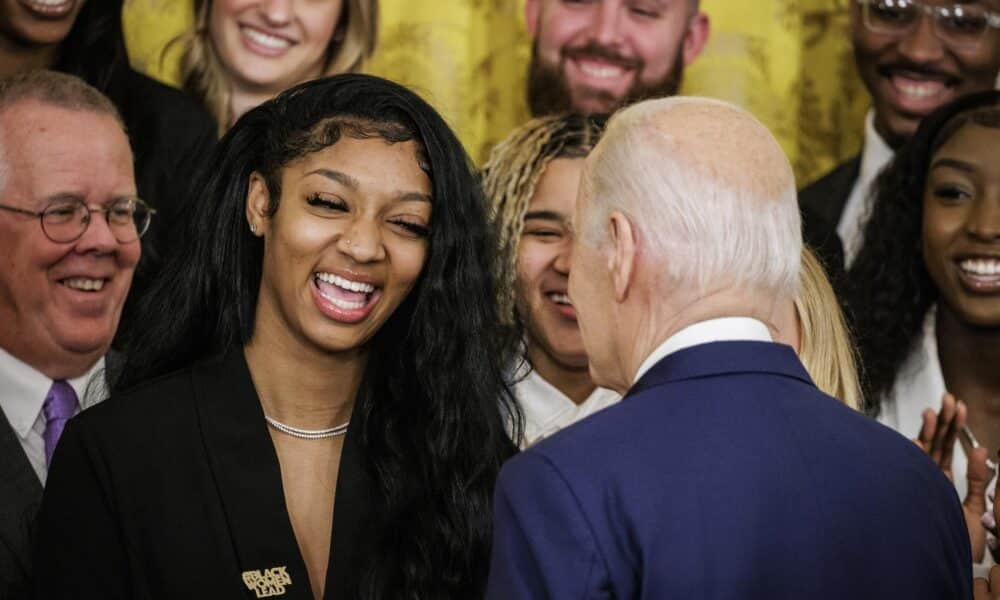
825	349
509	180
203	75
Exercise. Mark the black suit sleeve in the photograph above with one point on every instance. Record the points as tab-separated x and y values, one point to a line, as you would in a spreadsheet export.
79	551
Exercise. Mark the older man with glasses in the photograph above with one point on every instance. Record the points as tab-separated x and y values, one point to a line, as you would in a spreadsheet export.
913	56
70	224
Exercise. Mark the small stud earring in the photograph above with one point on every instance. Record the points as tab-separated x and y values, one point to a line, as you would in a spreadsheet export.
253	229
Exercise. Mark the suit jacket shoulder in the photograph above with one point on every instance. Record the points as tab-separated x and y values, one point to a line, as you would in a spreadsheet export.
725	473
172	137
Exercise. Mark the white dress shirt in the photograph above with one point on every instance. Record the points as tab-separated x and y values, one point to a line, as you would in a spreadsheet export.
725	329
875	155
22	394
547	410
919	386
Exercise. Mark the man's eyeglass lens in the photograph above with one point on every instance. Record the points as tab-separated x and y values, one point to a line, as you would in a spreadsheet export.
961	25
66	221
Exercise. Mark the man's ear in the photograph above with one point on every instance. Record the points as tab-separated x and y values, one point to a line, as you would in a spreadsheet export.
532	10
621	262
258	204
699	28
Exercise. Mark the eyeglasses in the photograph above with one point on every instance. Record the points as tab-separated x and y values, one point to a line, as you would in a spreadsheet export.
958	25
67	219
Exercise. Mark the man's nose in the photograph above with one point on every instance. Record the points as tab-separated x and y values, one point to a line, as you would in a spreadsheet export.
606	27
98	237
922	44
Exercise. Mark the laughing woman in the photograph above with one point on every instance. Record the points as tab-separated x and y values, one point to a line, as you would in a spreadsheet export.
323	420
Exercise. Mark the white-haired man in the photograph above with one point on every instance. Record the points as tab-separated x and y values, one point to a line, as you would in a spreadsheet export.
724	472
70	223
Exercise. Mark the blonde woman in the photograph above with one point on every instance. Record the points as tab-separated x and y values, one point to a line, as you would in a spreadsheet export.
815	327
244	52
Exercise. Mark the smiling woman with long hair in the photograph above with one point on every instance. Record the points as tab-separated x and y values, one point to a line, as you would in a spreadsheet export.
327	357
924	291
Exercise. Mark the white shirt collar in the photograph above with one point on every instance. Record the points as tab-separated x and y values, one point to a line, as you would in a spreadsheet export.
712	330
875	155
23	390
547	410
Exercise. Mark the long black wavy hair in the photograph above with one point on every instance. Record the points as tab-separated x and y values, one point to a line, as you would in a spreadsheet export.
889	290
436	416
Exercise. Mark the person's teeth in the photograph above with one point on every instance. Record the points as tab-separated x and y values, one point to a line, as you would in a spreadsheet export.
561	299
50	3
266	40
603	71
345	304
346	284
84	284
919	89
981	266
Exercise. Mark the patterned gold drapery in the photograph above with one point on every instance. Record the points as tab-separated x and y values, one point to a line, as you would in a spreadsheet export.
787	61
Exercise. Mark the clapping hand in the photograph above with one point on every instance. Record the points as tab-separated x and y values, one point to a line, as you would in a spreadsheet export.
937	438
989	589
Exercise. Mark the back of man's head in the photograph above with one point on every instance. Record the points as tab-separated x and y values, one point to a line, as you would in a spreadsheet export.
709	190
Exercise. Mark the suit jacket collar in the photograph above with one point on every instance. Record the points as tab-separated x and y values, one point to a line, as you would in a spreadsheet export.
723	358
828	196
248	478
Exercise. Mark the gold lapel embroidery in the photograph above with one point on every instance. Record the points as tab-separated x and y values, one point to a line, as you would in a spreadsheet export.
270	582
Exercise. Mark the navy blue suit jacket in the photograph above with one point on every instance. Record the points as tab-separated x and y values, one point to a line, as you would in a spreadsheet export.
725	473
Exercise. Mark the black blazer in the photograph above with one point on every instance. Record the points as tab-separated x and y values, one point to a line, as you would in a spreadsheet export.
822	203
173	490
171	137
20	495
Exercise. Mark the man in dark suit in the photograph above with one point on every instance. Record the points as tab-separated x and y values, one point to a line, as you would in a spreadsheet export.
913	57
724	472
69	242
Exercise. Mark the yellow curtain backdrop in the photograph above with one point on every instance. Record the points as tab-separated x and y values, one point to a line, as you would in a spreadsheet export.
787	61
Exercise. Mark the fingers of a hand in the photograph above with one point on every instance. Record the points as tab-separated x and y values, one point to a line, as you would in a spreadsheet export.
945	430
927	430
951	436
995	580
980	589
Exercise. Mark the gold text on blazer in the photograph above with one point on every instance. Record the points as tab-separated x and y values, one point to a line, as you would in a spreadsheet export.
269	582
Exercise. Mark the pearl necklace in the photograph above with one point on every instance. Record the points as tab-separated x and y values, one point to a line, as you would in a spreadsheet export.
307	434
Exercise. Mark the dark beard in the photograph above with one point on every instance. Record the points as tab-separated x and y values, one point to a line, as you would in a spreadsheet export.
549	92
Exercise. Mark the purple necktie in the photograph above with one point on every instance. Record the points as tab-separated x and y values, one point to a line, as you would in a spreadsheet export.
60	405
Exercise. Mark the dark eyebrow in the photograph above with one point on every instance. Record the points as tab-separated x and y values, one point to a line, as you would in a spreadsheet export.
954	164
351	183
545	215
342	178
